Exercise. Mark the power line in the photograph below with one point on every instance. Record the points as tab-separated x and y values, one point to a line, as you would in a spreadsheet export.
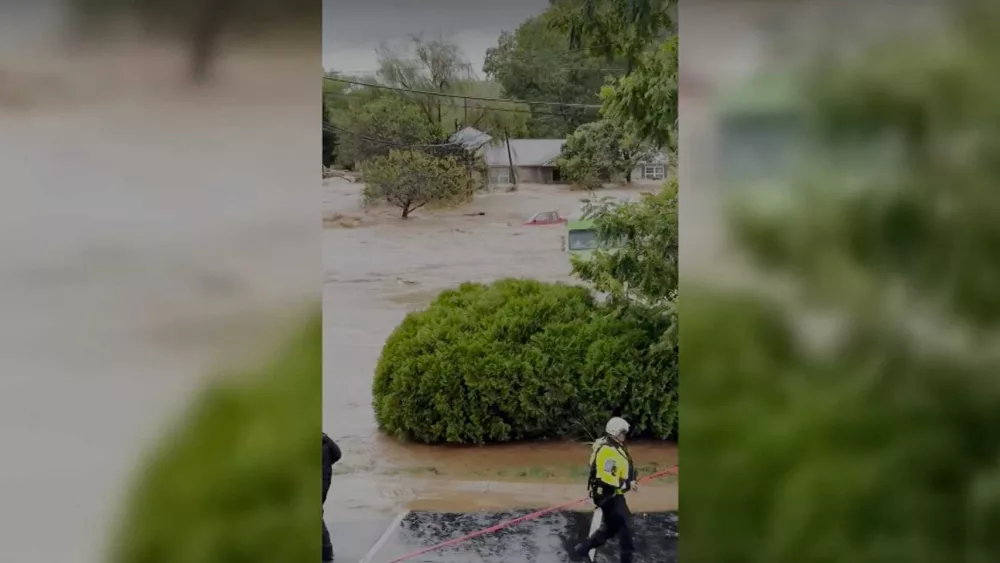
485	108
355	73
440	94
331	127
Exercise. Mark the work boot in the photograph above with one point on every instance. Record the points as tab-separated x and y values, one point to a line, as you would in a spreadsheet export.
576	551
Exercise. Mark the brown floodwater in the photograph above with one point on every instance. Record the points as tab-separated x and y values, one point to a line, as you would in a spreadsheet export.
377	268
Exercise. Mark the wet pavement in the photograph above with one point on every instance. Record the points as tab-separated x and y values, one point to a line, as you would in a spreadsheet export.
536	541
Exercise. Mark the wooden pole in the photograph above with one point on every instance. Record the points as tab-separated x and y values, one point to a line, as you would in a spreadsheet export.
510	160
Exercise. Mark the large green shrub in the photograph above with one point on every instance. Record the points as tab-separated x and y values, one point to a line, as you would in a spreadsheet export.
522	359
238	480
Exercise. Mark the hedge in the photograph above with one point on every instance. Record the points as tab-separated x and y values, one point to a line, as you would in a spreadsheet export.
521	359
238	478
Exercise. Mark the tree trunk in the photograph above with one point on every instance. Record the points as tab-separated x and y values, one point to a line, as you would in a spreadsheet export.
205	41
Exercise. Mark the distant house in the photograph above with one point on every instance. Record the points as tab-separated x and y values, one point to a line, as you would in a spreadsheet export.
533	161
655	169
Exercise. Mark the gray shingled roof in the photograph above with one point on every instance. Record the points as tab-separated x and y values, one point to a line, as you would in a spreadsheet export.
525	152
471	138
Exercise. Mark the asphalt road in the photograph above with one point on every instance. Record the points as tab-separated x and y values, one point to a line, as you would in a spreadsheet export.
535	541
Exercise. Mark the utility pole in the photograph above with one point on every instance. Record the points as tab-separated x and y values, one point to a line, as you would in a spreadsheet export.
466	111
510	161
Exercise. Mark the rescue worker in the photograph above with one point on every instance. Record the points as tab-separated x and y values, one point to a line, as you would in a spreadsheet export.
612	474
331	455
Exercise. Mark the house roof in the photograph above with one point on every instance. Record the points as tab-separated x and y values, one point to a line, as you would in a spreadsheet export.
659	157
471	138
525	152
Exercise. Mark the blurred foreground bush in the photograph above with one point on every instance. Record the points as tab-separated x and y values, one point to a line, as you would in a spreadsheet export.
238	481
881	443
522	359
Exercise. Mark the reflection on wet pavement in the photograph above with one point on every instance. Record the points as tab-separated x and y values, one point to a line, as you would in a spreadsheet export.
535	541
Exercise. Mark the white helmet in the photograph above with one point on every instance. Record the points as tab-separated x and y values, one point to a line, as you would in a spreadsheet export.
617	427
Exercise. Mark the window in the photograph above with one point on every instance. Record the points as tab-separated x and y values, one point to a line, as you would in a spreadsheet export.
653	172
502	175
582	240
755	146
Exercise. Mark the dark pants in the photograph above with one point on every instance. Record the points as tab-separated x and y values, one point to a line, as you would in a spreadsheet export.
327	545
614	522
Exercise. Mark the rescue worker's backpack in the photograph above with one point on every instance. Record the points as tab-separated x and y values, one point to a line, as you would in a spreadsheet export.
599	491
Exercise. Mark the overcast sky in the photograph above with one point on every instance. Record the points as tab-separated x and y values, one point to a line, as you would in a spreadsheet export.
352	29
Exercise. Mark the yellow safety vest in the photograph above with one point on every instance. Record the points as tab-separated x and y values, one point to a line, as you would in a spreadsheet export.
610	465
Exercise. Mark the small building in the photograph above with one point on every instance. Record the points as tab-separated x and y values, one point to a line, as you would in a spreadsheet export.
533	161
655	169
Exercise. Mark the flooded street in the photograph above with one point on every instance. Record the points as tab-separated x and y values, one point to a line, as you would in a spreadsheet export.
376	269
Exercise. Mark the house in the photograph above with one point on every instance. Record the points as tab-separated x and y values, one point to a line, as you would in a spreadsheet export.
533	161
653	170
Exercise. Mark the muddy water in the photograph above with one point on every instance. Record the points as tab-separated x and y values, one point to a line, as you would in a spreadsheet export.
378	268
127	278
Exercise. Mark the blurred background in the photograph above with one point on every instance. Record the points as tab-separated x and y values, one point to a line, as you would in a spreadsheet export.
160	226
838	215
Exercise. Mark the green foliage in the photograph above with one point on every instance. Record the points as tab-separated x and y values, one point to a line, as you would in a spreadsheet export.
882	446
236	481
521	359
436	66
601	151
329	137
615	28
382	124
439	66
410	180
645	267
493	118
535	62
645	102
641	275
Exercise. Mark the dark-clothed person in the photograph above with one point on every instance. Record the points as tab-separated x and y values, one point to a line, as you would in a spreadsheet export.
331	455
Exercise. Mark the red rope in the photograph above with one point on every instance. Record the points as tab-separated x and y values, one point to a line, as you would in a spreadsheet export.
515	521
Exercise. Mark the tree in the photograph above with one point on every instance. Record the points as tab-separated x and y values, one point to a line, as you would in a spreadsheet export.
436	66
329	137
200	25
382	124
490	117
235	480
615	28
643	271
521	359
881	444
535	62
645	102
410	179
601	151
